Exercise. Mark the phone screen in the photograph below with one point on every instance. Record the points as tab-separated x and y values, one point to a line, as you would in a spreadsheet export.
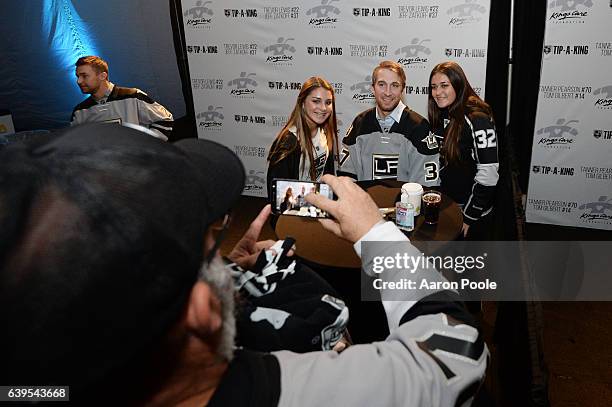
288	197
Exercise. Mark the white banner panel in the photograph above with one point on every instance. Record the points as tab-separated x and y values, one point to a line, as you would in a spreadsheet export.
571	168
248	59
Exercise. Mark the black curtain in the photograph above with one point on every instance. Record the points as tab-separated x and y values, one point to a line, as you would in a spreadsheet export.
496	95
527	42
184	127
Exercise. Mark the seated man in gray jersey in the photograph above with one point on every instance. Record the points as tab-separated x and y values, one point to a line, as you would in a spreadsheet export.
390	141
110	283
111	103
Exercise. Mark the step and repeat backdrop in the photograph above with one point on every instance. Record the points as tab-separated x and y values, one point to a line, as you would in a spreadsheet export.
571	165
248	59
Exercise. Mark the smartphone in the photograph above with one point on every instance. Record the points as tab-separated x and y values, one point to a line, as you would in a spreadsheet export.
288	197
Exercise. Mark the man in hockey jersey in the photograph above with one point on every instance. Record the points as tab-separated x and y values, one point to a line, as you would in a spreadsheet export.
390	141
111	103
100	288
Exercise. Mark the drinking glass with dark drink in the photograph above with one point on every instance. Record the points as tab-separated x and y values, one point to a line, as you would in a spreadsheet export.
431	206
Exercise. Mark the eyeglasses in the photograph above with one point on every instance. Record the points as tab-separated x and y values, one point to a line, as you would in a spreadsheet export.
219	233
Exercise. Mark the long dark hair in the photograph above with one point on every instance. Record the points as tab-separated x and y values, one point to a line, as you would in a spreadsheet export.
466	102
298	119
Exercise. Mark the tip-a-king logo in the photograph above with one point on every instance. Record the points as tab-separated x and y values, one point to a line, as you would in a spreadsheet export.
368	51
465	13
200	15
281	13
559	135
414	54
599	211
240	12
603	97
363	91
548	205
249	119
547	170
465	52
280	85
324	15
255	181
417	12
202	49
600	134
371	12
324	51
569	11
564	92
280	52
212	119
596	173
250	151
573	50
242	86
417	90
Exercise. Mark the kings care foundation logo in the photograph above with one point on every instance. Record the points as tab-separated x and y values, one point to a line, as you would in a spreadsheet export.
569	11
324	15
560	135
414	55
603	97
281	51
466	13
597	212
199	15
211	119
255	182
243	86
362	91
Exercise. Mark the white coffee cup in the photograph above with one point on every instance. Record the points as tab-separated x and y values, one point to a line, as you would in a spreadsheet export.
414	192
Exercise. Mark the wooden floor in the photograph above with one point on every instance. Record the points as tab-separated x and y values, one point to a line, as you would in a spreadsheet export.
577	336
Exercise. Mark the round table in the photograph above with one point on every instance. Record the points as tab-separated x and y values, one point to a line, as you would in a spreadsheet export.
319	246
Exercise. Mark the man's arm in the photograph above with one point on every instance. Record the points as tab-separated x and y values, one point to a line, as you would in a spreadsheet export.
434	357
154	116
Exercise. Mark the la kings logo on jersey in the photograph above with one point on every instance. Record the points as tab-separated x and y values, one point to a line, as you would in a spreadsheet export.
432	142
384	166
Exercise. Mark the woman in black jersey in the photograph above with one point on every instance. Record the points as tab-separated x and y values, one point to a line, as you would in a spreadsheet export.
468	156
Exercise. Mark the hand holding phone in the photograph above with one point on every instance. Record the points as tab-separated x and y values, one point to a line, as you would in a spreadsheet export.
289	198
354	213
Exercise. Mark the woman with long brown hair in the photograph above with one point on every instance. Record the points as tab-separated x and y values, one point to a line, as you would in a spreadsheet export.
306	148
468	156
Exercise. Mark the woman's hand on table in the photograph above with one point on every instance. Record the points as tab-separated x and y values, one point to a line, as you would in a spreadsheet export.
355	213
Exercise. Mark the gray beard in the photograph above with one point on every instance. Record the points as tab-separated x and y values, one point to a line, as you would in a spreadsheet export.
222	285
